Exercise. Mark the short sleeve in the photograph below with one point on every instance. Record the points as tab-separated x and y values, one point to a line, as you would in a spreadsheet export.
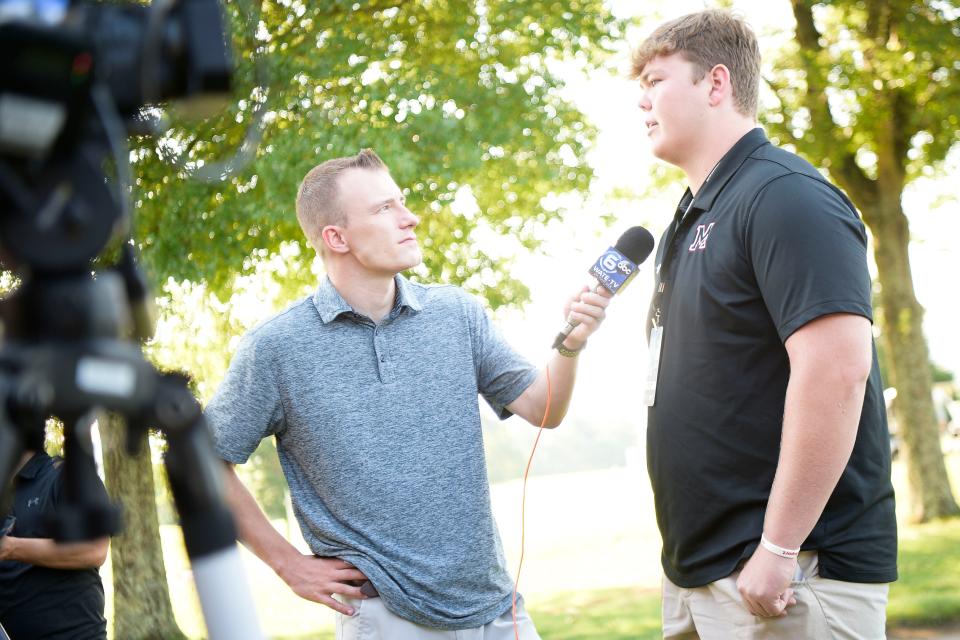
502	373
808	248
246	407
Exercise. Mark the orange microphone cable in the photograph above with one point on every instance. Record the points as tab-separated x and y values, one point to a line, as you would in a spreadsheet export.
523	503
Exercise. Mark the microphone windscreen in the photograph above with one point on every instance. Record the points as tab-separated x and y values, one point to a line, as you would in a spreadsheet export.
635	244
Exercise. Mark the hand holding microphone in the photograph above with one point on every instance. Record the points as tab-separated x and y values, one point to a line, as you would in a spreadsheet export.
614	270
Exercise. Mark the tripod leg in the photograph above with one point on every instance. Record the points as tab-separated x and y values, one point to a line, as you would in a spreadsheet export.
209	533
86	512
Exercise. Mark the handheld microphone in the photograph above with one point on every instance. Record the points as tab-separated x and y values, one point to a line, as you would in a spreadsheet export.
615	268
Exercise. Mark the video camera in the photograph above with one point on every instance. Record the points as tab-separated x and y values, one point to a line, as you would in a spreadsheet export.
65	92
75	81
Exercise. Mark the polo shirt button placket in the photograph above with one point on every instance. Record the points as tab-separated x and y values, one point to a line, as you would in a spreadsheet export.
382	366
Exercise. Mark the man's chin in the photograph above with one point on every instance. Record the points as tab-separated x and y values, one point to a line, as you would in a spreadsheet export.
414	261
664	153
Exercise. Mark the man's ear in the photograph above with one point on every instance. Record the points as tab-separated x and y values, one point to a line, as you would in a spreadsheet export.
720	85
334	239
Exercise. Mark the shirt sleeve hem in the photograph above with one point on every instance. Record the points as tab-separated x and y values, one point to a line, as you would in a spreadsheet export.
501	409
810	314
233	457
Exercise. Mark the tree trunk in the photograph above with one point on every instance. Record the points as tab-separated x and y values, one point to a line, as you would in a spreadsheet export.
909	364
141	600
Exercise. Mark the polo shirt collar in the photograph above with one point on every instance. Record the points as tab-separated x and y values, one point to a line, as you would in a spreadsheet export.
406	296
33	466
727	167
330	304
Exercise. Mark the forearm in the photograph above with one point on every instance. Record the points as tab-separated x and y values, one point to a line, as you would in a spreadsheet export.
255	530
46	552
313	578
563	375
821	417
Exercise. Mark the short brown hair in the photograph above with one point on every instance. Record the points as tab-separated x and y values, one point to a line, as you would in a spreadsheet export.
318	202
708	38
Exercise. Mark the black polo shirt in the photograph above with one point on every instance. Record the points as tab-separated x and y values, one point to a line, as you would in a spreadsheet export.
39	602
766	246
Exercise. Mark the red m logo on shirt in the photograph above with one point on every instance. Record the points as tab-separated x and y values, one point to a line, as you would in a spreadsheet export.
703	232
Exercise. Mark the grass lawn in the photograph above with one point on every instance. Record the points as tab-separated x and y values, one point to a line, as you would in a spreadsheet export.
631	613
927	594
591	568
928	591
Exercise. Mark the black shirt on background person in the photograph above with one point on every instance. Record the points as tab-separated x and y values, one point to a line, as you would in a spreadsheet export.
48	591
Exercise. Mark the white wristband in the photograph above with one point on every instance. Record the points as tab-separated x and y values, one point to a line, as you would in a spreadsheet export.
776	550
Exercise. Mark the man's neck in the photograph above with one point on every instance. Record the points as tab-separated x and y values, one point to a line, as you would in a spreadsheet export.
717	146
371	296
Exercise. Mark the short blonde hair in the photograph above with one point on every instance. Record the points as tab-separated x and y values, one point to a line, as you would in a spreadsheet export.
708	38
318	202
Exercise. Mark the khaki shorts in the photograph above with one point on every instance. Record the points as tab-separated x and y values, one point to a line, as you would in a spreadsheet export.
825	610
372	621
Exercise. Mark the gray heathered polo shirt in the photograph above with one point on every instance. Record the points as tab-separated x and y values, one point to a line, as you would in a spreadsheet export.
378	433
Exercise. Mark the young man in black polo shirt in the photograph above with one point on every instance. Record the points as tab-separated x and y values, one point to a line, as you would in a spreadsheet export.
48	591
767	442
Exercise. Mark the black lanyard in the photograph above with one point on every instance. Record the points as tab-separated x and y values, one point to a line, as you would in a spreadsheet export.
682	221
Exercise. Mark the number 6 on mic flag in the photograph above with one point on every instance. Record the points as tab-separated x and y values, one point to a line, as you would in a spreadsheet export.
616	268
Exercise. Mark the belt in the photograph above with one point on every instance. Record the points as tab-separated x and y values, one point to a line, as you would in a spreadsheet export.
369	590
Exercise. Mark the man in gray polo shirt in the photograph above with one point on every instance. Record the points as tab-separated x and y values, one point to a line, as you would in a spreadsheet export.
370	387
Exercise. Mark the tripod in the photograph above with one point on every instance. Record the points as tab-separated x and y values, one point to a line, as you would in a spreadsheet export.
72	92
63	356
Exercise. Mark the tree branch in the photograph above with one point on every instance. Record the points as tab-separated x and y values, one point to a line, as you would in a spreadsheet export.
875	19
843	163
893	132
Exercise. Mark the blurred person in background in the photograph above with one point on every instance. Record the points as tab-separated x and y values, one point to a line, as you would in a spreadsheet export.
48	591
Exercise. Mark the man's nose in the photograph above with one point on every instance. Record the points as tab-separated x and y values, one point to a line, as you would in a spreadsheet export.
408	218
645	104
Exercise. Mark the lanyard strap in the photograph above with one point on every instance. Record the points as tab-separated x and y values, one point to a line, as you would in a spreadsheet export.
681	224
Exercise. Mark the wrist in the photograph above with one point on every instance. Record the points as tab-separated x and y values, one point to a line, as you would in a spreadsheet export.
8	548
565	349
777	550
283	564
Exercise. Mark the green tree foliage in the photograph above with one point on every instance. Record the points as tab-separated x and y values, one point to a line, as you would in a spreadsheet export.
457	96
870	91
